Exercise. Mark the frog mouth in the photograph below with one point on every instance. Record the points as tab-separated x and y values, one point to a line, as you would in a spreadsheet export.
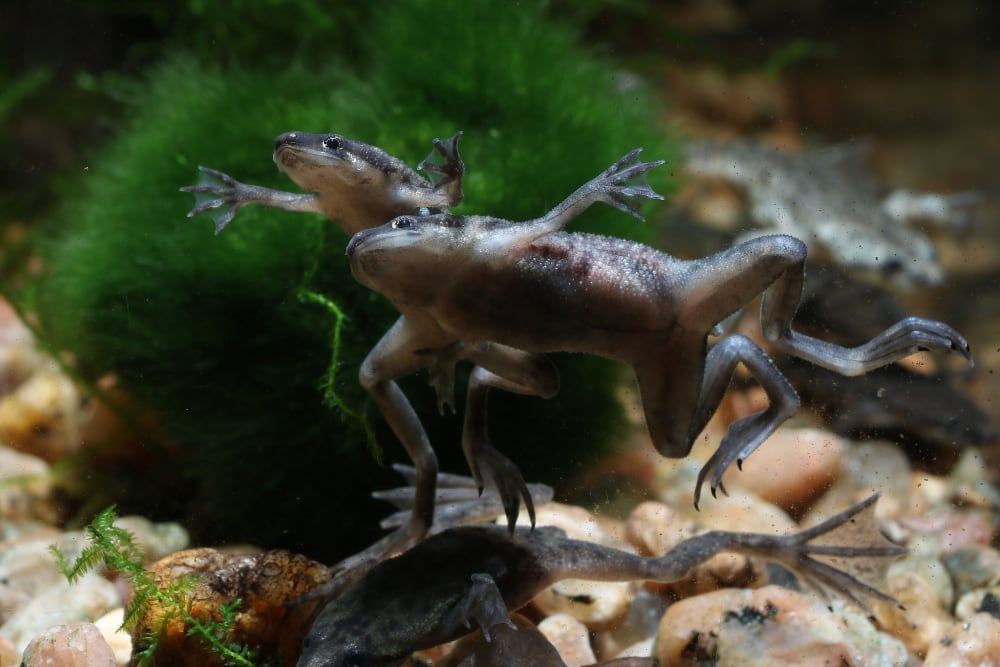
373	240
288	155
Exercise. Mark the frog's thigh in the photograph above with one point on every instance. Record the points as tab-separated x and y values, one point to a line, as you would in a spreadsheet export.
670	386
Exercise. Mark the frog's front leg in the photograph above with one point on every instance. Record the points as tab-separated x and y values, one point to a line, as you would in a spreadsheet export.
516	371
482	603
223	196
616	186
445	168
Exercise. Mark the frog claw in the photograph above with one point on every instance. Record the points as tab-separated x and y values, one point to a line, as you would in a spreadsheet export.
458	500
217	194
625	181
508	481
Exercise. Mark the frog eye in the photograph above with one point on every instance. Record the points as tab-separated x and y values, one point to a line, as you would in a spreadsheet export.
404	223
333	143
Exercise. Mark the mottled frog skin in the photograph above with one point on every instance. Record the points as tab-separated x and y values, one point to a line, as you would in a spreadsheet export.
470	577
538	289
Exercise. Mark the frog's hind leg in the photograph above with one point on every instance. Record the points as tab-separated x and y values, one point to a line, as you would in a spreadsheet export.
512	370
845	555
393	356
683	388
746	434
909	335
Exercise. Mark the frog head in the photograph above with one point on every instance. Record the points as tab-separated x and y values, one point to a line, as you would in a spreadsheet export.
324	162
411	256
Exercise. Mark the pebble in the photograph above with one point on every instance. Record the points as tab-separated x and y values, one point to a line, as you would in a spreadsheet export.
923	587
19	357
743	511
654	528
42	416
867	468
972	643
771	626
598	604
117	638
571	639
950	529
972	567
28	565
73	645
577	523
986	599
24	486
89	598
791	468
264	582
157	540
642	649
969	480
8	654
638	626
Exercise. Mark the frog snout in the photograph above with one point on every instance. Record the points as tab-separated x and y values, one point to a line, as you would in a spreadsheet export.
355	241
286	139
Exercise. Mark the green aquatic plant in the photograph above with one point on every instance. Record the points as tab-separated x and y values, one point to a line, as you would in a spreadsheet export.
115	548
264	436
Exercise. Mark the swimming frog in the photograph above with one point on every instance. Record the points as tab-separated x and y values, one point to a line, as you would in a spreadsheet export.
358	186
826	198
469	577
536	288
352	183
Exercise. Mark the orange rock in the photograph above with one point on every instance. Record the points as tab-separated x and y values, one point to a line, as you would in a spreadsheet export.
792	468
973	643
770	626
264	583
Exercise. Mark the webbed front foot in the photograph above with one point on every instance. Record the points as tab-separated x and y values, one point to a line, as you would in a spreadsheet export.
218	194
483	604
624	181
445	168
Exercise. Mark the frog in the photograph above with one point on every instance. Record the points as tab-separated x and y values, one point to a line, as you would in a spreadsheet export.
537	288
828	198
352	183
357	186
473	576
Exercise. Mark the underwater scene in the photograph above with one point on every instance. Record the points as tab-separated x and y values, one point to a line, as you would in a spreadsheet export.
498	333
